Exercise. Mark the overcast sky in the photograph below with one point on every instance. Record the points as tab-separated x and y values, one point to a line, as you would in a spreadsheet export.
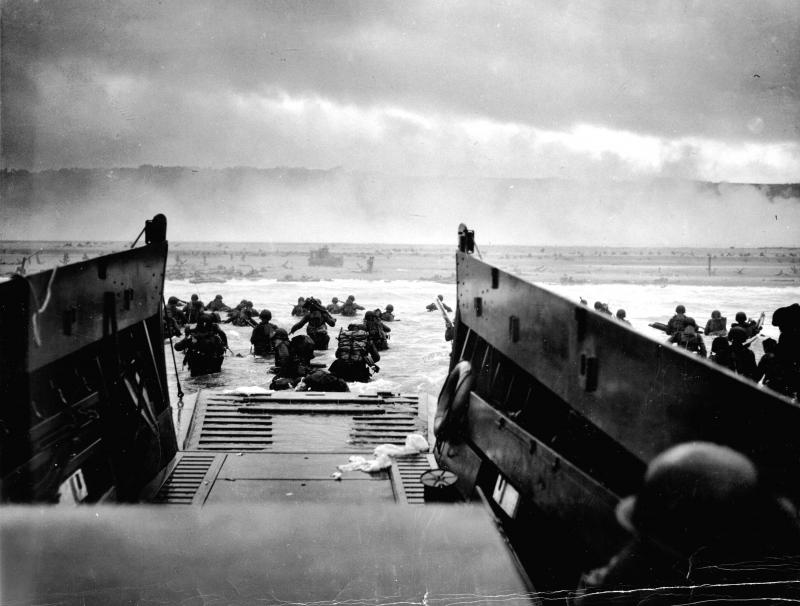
699	90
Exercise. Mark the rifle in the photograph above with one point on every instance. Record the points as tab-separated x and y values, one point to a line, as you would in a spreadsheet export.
449	326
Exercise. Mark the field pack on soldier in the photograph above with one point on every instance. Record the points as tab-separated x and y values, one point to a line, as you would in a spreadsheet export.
355	355
205	349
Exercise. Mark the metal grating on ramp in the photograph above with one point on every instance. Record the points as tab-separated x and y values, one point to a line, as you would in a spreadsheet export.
185	480
301	421
225	427
389	428
408	470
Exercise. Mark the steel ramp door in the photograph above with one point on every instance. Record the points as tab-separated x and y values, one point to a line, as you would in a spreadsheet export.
285	447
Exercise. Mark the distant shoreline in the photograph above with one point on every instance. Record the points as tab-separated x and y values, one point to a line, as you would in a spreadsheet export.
211	262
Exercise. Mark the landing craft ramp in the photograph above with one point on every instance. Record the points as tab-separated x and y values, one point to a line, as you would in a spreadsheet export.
285	447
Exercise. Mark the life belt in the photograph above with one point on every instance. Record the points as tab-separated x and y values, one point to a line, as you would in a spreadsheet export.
453	401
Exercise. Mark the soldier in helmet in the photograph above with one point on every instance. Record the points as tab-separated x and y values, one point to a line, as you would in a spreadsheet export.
377	330
721	352
621	316
261	337
692	342
432	306
717	326
318	319
388	315
299	310
702	517
750	327
242	314
292	359
205	347
786	376
356	355
350	307
334	307
174	318
677	323
217	305
194	309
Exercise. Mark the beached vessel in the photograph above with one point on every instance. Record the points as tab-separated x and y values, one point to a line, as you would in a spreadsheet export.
549	416
323	256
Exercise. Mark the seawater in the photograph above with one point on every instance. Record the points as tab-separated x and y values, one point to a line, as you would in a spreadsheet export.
418	357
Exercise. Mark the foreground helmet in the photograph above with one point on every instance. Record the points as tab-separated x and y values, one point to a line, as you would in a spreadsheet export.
280	334
195	298
218	298
680	309
369	315
716	314
694	494
173	300
390	307
787	319
335	300
351	298
620	313
265	315
741	317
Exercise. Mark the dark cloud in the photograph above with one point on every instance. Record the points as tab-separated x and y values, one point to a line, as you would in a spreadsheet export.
110	83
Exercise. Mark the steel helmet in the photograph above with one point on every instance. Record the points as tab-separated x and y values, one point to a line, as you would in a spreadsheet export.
787	319
265	315
173	300
280	334
680	309
390	307
335	300
693	494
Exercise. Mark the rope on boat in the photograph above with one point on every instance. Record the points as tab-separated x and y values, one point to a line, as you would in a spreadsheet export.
40	309
139	236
